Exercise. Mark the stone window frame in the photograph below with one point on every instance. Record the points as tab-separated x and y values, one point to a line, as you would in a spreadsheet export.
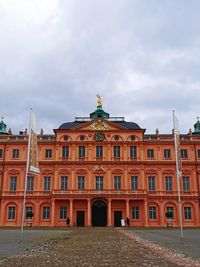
48	153
135	212
63	182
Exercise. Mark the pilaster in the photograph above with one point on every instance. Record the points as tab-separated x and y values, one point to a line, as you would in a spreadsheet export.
145	213
53	213
89	212
71	212
127	208
109	213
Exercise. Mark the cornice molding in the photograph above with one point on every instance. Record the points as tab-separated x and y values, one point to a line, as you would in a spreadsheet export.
186	171
47	171
81	171
134	171
64	171
13	171
151	171
168	171
117	171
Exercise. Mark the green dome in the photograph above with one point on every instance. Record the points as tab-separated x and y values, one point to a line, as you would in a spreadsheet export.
99	112
3	127
197	126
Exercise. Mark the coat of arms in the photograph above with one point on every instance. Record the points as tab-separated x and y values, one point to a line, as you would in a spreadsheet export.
99	125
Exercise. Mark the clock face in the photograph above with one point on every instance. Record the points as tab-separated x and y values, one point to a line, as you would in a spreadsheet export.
99	137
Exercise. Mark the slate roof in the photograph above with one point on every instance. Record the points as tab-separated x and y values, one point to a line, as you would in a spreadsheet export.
76	124
71	125
128	125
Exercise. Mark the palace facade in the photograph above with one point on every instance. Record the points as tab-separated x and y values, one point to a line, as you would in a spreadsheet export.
97	171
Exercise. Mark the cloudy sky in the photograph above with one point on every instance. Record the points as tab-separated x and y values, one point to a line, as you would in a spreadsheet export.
141	56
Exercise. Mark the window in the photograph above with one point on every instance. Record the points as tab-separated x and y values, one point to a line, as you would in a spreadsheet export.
11	213
198	153
150	153
184	153
13	183
81	151
117	182
47	183
167	153
151	180
135	213
186	183
82	137
28	211
99	151
15	153
48	153
46	213
133	151
187	213
64	182
30	183
65	137
152	213
99	182
116	137
65	151
116	151
168	183
171	210
1	153
132	137
134	182
81	182
63	212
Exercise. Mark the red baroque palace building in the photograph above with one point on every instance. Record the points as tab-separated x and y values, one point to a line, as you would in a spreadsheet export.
98	170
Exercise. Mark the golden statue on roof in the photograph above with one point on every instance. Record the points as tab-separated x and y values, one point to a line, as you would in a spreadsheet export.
99	100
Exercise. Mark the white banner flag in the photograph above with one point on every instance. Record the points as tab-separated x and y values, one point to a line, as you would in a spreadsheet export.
178	169
33	163
177	145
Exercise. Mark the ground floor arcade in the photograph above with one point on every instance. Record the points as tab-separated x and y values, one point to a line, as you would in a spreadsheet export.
99	211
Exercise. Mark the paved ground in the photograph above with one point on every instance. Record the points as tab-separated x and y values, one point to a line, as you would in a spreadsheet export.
171	238
81	247
10	239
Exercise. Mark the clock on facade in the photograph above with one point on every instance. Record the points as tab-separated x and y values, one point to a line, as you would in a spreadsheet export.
99	136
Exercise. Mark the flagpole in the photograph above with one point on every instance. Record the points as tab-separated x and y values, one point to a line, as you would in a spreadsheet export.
178	175
25	182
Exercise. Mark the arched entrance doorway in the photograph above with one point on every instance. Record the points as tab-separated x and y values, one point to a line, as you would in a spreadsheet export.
99	213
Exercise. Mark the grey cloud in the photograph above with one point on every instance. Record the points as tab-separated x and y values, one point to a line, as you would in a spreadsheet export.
141	56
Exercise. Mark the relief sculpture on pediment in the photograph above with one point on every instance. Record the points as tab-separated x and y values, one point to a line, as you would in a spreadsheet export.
99	125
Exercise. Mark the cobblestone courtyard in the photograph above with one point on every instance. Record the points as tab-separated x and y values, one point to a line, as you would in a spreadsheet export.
82	247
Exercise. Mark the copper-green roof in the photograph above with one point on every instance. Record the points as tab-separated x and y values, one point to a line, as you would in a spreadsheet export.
3	127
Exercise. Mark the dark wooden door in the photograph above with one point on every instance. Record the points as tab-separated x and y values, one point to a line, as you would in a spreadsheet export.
117	218
80	219
99	213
